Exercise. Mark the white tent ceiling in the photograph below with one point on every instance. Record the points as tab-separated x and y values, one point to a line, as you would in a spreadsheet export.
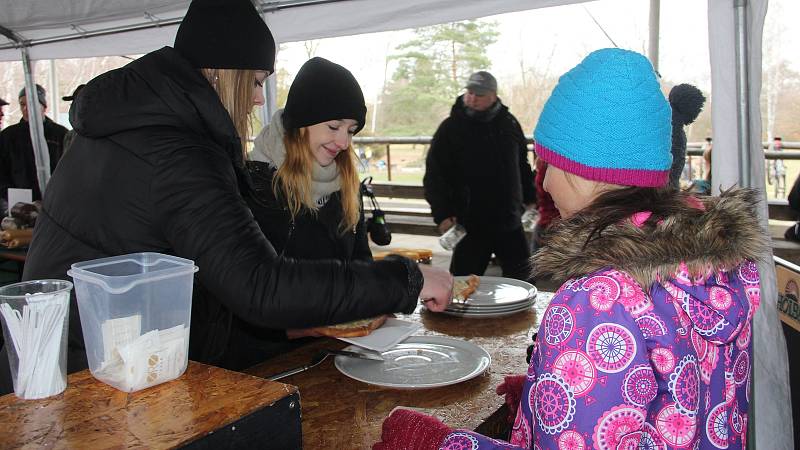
81	28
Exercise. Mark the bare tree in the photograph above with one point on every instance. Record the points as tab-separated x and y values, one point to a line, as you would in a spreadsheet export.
311	48
774	67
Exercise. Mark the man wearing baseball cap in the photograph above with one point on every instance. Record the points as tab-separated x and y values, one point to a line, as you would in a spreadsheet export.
71	133
477	175
17	162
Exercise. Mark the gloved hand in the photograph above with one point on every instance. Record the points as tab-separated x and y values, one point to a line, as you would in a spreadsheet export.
511	387
410	430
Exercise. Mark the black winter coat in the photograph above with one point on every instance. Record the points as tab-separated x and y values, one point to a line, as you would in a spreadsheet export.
308	236
478	171
17	162
157	166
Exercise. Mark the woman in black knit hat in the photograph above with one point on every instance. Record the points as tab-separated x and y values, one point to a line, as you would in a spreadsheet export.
307	191
307	198
158	166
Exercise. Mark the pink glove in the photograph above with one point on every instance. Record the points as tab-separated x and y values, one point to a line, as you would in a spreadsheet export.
410	430
511	387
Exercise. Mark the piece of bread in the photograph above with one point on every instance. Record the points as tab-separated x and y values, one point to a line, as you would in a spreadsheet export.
355	328
463	288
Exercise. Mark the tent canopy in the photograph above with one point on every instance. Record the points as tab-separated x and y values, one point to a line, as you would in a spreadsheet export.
81	28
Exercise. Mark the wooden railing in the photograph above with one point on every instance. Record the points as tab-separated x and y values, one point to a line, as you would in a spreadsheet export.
416	218
693	148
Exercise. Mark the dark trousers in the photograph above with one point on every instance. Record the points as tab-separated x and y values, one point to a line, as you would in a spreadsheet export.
472	254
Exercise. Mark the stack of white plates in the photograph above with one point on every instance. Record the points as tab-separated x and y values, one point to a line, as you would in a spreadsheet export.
495	297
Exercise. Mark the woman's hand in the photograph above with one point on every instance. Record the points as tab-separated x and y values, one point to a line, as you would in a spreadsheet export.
437	290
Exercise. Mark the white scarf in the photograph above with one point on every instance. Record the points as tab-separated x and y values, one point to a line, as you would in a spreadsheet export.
269	148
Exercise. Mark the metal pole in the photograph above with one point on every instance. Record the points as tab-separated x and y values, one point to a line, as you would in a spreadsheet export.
54	97
655	15
743	93
388	162
743	119
271	86
41	153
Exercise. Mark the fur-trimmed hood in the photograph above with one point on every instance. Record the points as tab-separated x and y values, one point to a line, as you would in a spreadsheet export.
722	238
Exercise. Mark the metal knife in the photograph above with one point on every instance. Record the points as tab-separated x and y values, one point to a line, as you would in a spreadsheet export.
372	356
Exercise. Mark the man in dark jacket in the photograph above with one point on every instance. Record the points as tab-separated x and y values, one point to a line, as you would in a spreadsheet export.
17	161
478	175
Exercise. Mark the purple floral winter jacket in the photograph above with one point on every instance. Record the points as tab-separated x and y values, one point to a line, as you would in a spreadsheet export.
615	367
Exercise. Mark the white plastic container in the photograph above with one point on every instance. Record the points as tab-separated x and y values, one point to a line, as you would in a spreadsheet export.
135	313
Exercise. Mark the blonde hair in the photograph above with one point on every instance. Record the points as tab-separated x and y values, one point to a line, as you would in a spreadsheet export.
293	178
235	90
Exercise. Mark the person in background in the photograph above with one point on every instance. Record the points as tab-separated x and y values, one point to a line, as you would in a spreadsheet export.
544	203
2	114
793	232
307	198
71	133
477	174
703	185
777	169
686	102
647	344
158	166
17	161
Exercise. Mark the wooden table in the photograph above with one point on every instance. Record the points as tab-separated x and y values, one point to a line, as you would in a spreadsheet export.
339	412
207	407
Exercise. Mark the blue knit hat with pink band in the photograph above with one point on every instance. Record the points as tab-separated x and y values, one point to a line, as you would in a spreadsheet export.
607	120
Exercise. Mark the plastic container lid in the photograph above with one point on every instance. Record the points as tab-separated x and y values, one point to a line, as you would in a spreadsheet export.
119	274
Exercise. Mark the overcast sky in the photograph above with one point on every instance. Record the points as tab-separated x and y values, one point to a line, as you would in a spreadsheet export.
557	38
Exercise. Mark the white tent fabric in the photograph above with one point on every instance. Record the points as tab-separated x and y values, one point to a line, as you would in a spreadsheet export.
55	26
119	27
773	415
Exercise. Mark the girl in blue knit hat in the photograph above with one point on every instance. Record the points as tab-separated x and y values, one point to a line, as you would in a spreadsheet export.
647	344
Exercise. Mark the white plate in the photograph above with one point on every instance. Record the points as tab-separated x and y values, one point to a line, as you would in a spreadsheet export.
499	291
487	315
385	337
458	307
419	362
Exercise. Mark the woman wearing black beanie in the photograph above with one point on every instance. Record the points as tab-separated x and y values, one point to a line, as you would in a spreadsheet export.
158	166
307	192
307	196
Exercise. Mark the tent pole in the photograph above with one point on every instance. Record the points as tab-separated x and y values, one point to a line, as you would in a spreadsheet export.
54	100
271	86
655	22
271	104
41	153
742	92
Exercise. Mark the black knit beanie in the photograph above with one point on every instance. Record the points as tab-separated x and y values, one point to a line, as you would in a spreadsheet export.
225	34
686	102
323	91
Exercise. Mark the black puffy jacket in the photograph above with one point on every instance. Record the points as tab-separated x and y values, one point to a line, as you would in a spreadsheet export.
157	166
478	171
309	235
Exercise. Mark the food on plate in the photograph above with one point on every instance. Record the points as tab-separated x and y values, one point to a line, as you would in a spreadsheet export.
355	328
463	288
